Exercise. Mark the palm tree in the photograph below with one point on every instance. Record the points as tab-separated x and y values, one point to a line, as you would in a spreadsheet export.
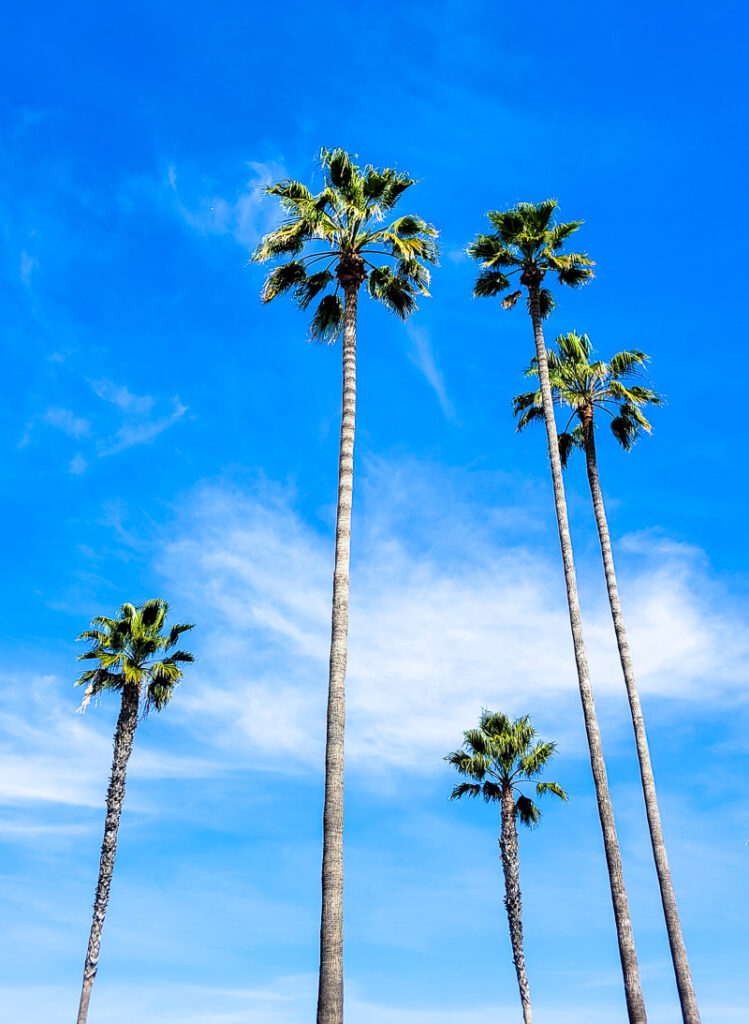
583	386
526	242
346	242
130	651
500	756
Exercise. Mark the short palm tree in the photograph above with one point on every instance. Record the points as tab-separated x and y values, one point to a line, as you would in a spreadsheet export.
328	246
133	660
525	241
582	386
500	756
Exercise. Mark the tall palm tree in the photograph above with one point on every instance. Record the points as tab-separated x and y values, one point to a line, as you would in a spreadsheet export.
582	386
341	233
526	242
500	756
132	657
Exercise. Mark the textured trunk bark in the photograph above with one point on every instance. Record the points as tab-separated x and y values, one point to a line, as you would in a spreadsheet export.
684	983
633	992
508	846
123	745
330	991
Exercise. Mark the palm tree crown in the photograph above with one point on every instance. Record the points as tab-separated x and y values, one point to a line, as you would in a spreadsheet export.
130	650
342	226
526	242
500	755
583	385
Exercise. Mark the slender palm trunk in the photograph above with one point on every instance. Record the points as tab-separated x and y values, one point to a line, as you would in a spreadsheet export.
627	953
330	990
123	745
508	846
684	983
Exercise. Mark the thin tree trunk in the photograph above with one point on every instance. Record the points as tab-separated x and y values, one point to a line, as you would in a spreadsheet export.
684	983
508	846
123	745
633	992
330	991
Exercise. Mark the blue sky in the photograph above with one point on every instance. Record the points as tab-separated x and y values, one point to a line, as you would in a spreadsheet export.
164	434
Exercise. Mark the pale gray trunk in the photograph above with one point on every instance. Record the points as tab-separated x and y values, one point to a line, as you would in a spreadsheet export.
627	953
330	991
123	745
684	983
508	846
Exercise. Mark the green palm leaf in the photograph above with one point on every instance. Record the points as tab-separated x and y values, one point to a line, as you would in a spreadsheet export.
583	384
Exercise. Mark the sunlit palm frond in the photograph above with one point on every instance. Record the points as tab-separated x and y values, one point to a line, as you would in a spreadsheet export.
542	788
507	752
623	364
582	384
127	649
344	217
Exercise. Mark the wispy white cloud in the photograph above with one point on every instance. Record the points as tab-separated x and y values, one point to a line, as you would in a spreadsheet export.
142	432
68	422
435	634
51	755
143	419
123	398
245	216
422	354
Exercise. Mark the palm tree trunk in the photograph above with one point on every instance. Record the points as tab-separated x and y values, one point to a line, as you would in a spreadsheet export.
508	846
684	983
123	745
330	991
633	992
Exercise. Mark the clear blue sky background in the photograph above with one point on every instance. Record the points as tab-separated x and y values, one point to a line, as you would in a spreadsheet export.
164	434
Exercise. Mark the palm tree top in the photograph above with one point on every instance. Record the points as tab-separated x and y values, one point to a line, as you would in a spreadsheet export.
130	651
583	384
341	232
500	755
528	242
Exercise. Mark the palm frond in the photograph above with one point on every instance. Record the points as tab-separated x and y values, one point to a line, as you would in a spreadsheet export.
510	224
328	319
126	650
568	441
289	191
546	302
282	279
490	283
527	811
542	788
287	240
560	233
491	792
509	300
624	364
492	252
396	293
308	289
573	269
339	167
465	789
416	273
533	762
